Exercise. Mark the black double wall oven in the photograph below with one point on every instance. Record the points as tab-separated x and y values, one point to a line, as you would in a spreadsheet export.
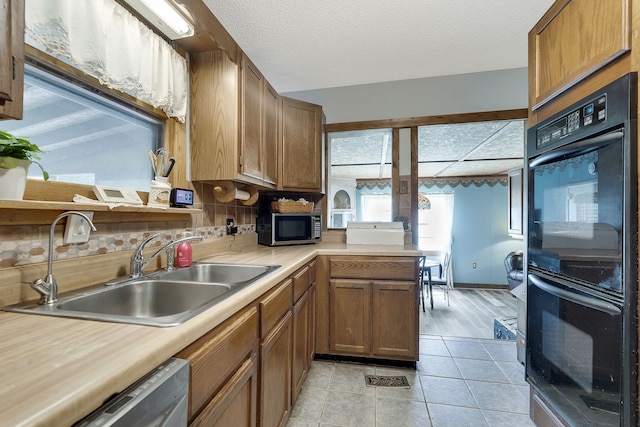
582	258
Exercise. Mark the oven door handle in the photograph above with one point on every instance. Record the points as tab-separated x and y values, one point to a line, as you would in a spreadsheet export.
580	147
588	301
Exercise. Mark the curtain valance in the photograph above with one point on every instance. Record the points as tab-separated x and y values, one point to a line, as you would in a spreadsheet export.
104	40
478	181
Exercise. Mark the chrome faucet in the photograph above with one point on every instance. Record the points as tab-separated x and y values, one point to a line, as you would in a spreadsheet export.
47	287
138	262
137	259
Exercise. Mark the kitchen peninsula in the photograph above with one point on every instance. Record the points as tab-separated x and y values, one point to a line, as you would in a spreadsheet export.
56	370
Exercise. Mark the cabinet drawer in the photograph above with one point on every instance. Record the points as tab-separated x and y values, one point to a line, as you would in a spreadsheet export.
396	268
300	283
216	356
312	273
275	305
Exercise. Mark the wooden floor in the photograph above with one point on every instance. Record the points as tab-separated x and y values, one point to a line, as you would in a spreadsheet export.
470	313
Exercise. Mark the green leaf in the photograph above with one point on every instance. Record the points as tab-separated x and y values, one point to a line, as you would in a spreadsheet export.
8	162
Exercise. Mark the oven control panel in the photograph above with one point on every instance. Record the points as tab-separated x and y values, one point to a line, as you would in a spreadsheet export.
589	114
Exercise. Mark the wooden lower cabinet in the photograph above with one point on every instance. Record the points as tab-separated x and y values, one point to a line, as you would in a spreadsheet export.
235	404
275	355
372	307
395	311
350	316
223	378
275	379
376	319
312	323
299	361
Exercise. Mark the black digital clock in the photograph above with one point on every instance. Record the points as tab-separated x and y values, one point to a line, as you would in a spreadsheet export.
181	198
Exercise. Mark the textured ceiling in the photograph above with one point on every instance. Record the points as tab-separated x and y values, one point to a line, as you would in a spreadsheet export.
467	149
303	45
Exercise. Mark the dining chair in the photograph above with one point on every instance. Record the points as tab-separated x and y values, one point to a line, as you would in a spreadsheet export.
443	278
421	281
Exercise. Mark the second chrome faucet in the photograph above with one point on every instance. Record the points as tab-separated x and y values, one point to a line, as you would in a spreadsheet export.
138	263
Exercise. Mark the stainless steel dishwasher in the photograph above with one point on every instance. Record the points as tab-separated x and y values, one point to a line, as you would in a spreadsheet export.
158	399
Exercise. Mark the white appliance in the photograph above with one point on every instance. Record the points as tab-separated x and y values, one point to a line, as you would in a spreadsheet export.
341	217
375	233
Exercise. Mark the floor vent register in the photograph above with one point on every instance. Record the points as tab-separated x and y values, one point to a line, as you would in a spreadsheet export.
386	381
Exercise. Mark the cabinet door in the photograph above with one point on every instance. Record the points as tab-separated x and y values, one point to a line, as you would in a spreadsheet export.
217	355
275	375
214	116
251	119
395	323
11	58
301	146
573	40
271	115
299	361
312	311
349	314
235	403
312	325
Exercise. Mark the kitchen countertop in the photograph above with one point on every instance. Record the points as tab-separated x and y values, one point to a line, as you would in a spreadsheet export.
55	371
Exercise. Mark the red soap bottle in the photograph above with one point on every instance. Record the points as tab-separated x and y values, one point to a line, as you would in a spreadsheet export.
184	255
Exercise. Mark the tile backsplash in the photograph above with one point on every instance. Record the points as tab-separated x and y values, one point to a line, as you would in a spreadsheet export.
29	244
18	249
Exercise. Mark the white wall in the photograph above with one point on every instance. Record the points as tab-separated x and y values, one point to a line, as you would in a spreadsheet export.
463	93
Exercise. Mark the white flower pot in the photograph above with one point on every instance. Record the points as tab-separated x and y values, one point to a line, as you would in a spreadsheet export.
14	181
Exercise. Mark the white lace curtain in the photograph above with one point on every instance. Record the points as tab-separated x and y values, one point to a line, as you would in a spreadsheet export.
104	40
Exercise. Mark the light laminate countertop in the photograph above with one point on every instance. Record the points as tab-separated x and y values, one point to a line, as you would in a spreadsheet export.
54	370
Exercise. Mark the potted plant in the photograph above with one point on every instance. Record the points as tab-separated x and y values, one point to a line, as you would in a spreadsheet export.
16	155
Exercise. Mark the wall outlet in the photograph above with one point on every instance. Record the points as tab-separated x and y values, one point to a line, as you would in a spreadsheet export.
77	229
474	265
231	229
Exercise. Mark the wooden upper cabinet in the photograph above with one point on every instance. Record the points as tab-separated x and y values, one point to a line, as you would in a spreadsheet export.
11	58
301	146
271	114
214	117
228	121
251	82
574	39
6	54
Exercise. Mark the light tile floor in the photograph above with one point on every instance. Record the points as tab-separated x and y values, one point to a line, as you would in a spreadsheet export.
457	382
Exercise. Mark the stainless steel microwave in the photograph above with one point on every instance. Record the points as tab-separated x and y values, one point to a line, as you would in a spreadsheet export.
279	229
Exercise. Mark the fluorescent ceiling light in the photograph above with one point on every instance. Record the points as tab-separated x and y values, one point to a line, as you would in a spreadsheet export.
162	15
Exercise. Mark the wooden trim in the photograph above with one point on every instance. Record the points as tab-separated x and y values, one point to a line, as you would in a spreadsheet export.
395	172
430	120
414	185
210	34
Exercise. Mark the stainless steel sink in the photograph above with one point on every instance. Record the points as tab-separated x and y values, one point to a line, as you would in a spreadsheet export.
160	299
147	298
219	273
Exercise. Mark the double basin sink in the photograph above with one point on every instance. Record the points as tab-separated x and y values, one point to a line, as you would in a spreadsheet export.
165	298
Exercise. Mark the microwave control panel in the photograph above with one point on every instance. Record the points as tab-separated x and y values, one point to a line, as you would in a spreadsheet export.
317	227
588	115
